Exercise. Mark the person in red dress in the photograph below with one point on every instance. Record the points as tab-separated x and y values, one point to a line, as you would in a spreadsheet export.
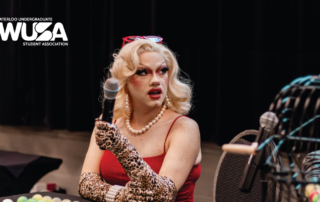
152	151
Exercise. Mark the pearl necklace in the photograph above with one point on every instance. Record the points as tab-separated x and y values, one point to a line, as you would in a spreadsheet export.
144	129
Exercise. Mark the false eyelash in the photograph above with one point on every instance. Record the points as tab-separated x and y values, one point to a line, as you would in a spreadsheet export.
140	71
165	69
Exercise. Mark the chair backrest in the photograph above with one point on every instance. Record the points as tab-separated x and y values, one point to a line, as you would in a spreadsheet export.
229	173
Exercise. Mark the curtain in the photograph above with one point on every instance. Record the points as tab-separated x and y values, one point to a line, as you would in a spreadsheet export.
237	54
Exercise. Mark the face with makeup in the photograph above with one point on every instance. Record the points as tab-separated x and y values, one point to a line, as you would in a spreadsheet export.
148	86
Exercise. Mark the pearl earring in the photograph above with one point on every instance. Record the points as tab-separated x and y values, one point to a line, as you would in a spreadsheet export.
127	108
168	102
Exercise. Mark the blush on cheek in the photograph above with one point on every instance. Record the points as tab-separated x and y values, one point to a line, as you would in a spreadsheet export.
166	80
135	81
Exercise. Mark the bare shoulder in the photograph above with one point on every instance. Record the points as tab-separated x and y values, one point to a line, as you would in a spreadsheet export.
185	128
186	122
185	125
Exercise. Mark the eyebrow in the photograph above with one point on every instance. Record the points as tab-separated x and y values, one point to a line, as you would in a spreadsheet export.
149	67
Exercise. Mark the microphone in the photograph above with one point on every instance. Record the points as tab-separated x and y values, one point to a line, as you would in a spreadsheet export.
110	88
268	121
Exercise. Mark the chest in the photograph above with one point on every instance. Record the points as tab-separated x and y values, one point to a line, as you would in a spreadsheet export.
151	143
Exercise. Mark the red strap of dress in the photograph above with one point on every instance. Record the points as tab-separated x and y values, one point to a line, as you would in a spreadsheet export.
164	146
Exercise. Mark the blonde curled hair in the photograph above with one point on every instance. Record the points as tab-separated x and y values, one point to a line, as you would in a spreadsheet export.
126	64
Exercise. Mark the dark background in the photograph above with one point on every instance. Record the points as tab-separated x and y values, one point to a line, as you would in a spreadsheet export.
238	54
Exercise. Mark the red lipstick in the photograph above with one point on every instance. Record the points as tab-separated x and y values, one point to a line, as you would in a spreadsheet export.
155	93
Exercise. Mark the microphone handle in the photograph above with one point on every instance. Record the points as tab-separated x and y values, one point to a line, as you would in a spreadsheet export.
107	113
254	163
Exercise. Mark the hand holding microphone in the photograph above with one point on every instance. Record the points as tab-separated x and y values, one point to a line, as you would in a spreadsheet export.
105	128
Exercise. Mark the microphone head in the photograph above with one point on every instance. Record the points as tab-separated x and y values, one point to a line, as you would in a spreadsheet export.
110	89
268	120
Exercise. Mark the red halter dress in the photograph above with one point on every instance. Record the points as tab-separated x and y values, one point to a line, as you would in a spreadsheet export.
113	173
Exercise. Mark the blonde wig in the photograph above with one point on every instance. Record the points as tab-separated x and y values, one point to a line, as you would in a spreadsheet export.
126	64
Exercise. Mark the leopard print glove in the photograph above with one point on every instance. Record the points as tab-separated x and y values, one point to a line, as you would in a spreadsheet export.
108	137
135	192
93	188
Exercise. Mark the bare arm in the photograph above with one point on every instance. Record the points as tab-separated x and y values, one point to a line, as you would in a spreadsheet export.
183	150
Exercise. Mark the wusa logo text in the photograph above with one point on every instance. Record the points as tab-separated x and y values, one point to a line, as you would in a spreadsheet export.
40	36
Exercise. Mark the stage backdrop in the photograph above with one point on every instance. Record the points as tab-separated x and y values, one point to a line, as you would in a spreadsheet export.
238	54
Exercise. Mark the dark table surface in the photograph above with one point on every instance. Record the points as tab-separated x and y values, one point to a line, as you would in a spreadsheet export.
19	172
72	198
